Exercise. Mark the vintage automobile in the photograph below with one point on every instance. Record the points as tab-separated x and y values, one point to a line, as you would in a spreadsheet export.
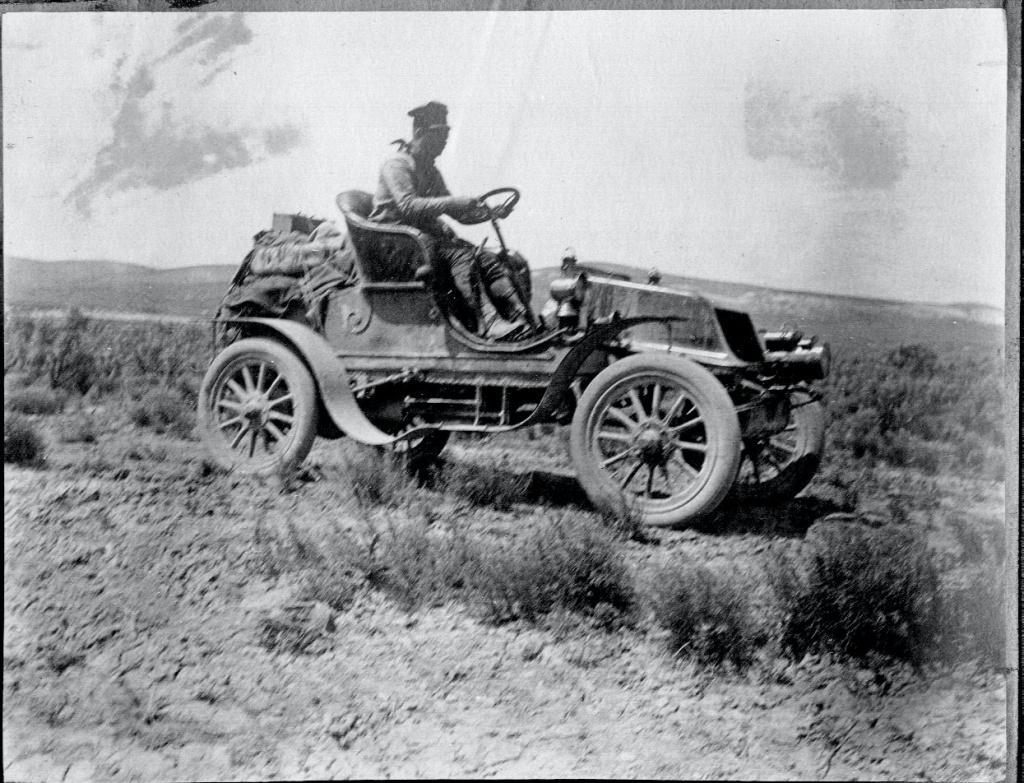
673	401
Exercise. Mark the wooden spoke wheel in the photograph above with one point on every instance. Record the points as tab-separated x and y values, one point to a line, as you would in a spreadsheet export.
658	434
257	407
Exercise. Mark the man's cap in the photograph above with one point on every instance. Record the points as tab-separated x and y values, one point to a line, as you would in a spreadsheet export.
430	115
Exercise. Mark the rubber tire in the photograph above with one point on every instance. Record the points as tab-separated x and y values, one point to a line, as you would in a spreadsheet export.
299	438
809	418
721	425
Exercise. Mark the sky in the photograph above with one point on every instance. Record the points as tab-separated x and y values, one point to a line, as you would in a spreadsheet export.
835	151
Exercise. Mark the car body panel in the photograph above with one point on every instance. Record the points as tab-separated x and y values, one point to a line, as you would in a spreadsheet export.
554	373
711	334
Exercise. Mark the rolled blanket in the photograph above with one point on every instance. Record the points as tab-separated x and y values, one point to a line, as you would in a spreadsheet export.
292	253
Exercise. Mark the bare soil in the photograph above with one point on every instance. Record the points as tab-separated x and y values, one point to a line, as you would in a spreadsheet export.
133	598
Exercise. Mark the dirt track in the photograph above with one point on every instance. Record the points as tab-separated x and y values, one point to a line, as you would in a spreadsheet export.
133	598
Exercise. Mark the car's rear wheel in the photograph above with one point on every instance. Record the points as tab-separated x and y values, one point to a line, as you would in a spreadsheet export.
257	407
777	467
658	436
421	450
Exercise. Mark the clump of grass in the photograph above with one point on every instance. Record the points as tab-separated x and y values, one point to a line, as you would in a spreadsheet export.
418	564
80	429
626	521
572	563
378	478
858	591
163	411
33	400
23	445
326	583
325	560
484	486
708	616
297	633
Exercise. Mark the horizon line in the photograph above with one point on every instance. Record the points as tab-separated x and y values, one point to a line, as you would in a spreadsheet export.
802	291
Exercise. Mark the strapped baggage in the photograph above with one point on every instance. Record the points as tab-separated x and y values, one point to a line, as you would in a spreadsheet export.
289	270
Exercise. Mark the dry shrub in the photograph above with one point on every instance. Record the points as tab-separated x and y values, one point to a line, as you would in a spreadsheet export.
410	561
708	616
416	563
163	411
572	563
23	445
484	486
858	591
34	400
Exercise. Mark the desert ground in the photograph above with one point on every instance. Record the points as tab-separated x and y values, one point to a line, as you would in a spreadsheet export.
166	620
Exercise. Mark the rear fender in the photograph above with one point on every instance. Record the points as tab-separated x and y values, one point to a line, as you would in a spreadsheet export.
330	376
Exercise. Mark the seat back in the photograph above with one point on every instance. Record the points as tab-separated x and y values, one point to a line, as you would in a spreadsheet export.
386	253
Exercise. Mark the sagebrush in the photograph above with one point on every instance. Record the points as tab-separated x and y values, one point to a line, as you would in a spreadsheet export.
856	590
164	411
912	407
34	400
484	485
708	615
571	563
23	445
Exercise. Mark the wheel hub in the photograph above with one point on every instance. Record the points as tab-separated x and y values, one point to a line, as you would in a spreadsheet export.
256	411
652	443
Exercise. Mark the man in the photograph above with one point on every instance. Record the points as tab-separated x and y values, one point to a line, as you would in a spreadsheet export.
411	191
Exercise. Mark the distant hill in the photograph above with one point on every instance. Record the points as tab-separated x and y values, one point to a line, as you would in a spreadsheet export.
196	291
114	286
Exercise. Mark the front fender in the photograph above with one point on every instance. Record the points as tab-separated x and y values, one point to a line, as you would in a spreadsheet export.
331	379
593	338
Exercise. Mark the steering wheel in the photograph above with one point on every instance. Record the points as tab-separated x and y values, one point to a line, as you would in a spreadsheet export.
510	201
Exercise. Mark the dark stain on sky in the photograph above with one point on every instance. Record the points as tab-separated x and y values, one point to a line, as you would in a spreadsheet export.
211	37
858	139
155	152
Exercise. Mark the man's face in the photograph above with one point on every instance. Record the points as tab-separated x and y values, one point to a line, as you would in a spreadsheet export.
434	141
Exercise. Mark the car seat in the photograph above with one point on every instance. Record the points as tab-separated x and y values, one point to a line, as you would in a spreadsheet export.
389	253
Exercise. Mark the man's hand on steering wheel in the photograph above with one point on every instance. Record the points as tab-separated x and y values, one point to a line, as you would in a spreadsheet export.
501	212
499	209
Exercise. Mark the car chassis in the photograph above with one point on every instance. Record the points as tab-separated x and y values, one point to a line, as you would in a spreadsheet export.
674	402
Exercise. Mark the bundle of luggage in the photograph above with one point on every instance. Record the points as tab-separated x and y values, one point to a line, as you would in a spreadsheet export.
291	269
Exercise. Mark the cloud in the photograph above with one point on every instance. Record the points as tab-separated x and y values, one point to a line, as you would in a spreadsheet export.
857	139
157	140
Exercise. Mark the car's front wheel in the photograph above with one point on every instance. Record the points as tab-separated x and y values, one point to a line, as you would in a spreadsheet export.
656	435
257	407
776	468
